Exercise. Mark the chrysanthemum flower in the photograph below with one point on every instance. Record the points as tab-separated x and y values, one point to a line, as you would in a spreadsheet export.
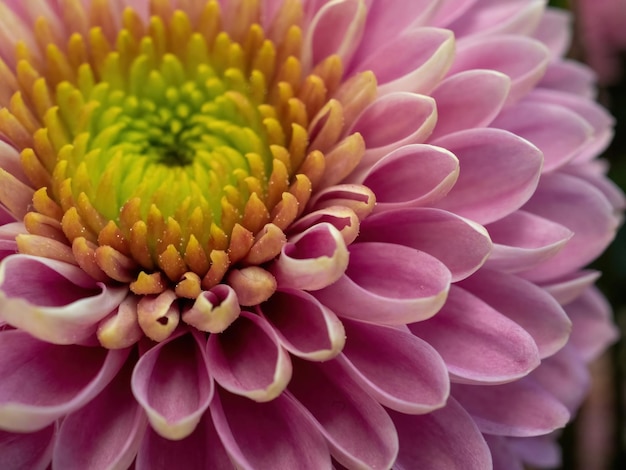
295	233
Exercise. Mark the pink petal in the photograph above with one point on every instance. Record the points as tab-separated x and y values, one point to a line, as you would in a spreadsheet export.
52	300
427	54
446	439
399	370
106	432
304	326
269	435
450	10
385	20
523	59
460	244
201	450
383	132
361	435
523	240
469	99
593	222
478	343
520	408
526	304
593	329
555	31
336	29
387	283
32	451
173	385
568	288
569	76
248	360
311	260
502	455
43	382
489	17
538	451
499	172
414	175
342	218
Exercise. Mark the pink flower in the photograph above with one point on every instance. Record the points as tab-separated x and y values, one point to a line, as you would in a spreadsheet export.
600	24
296	234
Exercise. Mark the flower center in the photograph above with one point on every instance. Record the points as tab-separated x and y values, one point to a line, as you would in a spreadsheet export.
173	153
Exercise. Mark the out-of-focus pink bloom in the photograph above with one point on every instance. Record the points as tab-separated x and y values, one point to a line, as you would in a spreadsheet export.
296	234
603	36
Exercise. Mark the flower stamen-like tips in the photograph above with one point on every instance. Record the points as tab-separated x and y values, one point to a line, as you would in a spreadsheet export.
172	155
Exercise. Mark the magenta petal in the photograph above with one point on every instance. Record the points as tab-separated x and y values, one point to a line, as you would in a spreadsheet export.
106	432
66	311
502	455
499	173
173	385
272	435
387	283
414	175
523	59
570	287
427	53
201	450
593	329
383	132
556	131
42	382
478	343
538	451
304	326
361	434
523	240
469	99
593	222
248	360
336	29
31	451
446	439
312	259
372	357
520	408
526	304
462	245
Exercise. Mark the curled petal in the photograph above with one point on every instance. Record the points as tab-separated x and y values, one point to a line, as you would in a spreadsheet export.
526	304
427	54
200	450
27	450
268	435
121	329
469	99
444	439
248	360
478	343
312	259
460	244
304	326
158	315
387	283
360	199
383	132
66	311
43	382
419	386
342	218
106	432
214	310
414	175
523	240
173	385
499	173
362	434
252	284
491	408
